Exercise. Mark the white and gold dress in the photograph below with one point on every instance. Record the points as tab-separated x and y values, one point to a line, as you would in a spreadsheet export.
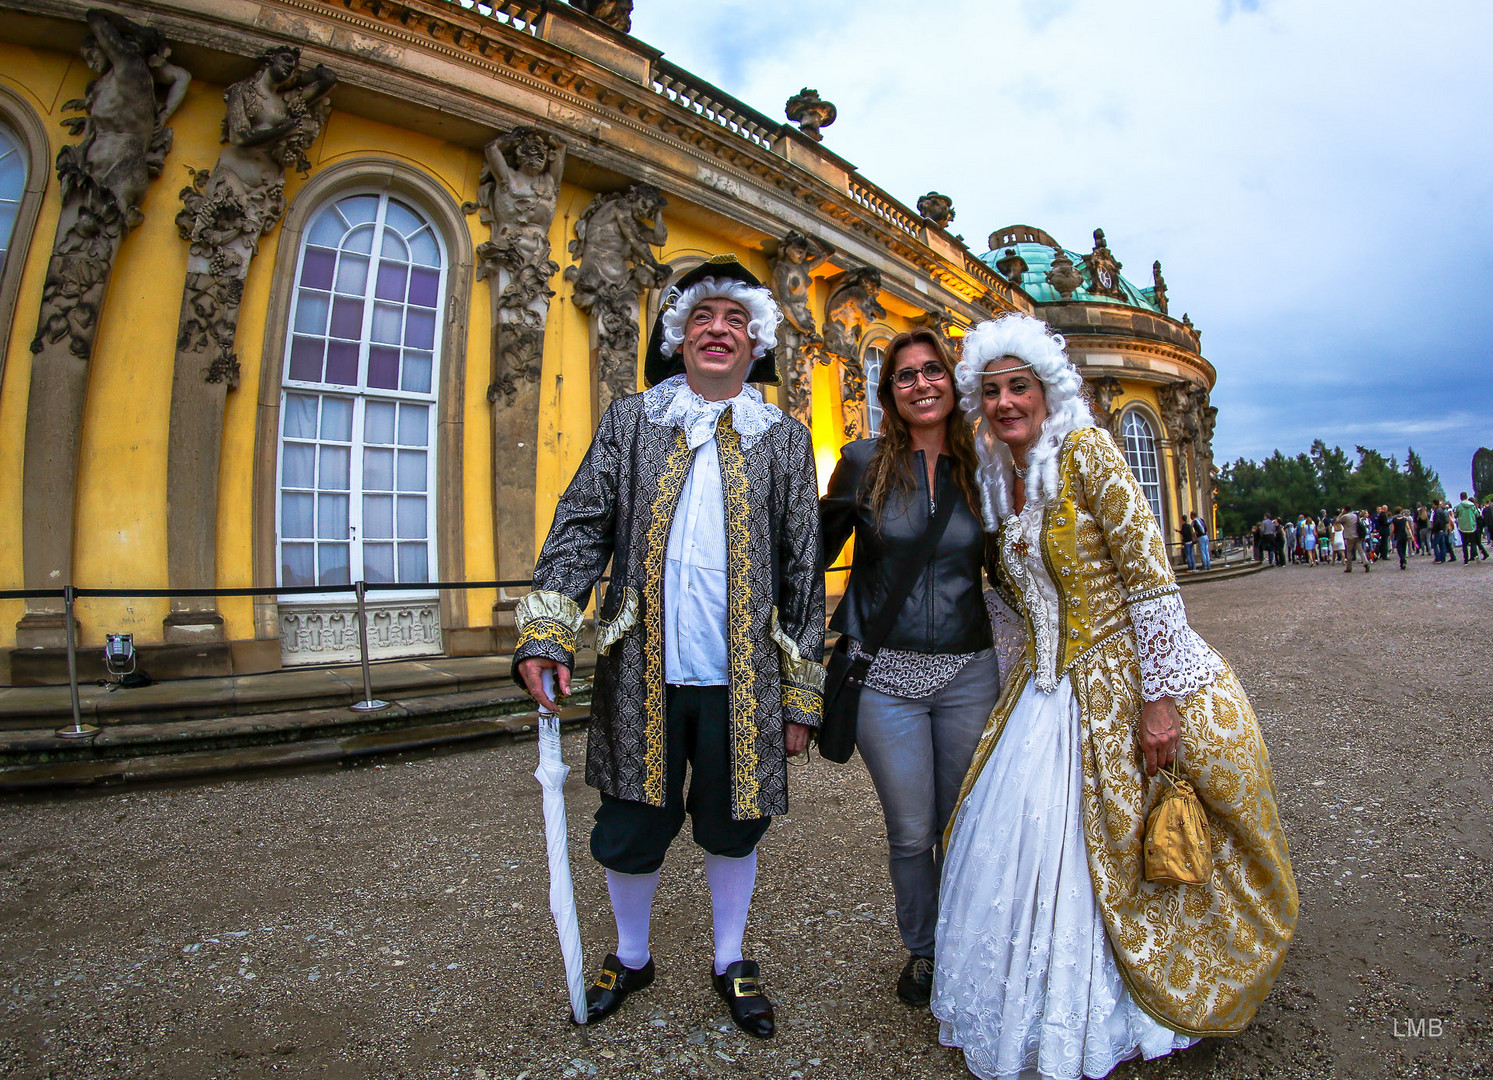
1055	957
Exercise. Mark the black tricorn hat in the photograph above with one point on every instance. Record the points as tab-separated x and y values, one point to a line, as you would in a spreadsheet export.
657	367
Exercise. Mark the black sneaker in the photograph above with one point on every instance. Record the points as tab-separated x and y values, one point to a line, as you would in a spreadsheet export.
915	984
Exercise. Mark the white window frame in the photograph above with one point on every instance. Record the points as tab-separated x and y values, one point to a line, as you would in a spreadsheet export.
1137	445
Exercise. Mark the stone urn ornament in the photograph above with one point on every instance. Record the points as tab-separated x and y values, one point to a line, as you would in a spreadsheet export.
810	112
1064	276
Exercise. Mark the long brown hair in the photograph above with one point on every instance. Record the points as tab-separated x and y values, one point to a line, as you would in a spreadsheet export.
891	466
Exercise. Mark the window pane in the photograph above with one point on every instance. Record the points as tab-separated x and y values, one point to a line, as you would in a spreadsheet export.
387	320
378	423
317	267
298	468
300	416
413	562
378	470
419	329
326	231
342	363
378	562
295	564
305	359
412	470
424	287
295	514
333	474
378	517
401	218
416	377
383	367
337	419
414	424
391	279
412	517
332	562
394	247
423	249
359	209
347	318
360	240
331	517
311	313
352	274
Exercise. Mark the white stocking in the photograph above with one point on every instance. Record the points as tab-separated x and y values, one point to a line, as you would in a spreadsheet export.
731	885
632	904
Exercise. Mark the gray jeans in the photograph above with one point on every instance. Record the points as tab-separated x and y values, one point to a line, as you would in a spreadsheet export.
917	751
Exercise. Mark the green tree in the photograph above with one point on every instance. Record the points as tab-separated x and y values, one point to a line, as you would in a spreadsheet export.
1482	473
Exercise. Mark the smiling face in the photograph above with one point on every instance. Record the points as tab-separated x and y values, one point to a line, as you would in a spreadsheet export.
926	402
1014	403
717	349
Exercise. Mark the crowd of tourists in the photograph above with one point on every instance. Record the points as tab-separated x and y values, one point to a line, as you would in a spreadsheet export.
1368	536
1043	938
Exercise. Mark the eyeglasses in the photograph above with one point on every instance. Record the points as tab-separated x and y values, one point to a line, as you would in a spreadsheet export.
932	372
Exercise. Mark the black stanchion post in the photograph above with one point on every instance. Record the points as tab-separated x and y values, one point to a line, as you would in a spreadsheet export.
369	702
79	730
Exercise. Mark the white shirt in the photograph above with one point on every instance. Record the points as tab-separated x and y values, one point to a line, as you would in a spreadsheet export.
695	579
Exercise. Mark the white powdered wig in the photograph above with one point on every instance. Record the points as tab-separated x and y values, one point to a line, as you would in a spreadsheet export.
761	308
1067	408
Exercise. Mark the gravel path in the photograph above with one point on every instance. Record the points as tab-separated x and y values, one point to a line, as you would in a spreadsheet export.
391	920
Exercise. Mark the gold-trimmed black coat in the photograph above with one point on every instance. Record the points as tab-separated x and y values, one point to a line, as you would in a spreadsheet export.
619	509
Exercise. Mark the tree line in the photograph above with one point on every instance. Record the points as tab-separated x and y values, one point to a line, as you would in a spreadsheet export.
1322	478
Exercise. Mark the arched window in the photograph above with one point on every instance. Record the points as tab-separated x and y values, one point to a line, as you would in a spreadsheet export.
358	408
12	188
1140	455
872	360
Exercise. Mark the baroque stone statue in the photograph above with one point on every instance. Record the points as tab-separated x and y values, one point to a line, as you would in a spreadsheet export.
1103	267
1063	275
810	112
1011	266
102	182
613	246
849	312
1102	395
615	13
270	121
937	208
1179	414
799	340
1159	287
517	194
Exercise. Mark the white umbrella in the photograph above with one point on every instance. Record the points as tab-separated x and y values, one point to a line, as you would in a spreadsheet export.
551	776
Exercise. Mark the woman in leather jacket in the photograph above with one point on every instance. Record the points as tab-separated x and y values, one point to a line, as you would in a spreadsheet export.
934	680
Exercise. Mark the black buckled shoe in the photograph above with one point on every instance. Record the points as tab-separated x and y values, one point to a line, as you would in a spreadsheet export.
741	989
915	984
606	995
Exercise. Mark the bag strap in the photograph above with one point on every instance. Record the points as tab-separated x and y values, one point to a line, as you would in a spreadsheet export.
909	572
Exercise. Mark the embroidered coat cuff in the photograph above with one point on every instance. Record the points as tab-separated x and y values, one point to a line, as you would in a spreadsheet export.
547	626
1174	661
803	681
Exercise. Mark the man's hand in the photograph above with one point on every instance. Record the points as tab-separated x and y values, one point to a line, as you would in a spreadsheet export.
531	674
796	736
1160	734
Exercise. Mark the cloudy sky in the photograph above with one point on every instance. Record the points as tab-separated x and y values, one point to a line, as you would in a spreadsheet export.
1316	176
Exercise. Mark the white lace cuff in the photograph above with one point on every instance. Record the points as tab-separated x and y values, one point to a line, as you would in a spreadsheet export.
1009	631
1174	661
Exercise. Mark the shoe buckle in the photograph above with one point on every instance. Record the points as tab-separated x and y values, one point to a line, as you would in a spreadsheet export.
607	979
745	988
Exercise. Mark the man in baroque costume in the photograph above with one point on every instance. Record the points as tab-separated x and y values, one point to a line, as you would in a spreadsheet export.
703	498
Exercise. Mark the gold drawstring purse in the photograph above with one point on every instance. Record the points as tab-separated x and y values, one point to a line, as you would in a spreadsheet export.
1177	848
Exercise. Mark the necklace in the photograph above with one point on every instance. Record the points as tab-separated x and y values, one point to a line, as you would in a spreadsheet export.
1020	472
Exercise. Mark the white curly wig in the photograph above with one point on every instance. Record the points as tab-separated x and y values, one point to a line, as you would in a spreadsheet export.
1030	340
761	308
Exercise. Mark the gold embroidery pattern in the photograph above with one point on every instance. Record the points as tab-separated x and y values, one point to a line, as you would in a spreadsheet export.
736	489
805	701
547	629
661	517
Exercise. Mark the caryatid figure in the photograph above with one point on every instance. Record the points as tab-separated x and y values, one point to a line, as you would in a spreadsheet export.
798	338
851	308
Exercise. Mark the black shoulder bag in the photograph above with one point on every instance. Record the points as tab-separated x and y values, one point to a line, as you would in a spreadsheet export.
844	677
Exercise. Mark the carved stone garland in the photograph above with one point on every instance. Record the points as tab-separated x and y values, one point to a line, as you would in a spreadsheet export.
799	340
1102	395
614	263
517	195
103	180
850	310
272	119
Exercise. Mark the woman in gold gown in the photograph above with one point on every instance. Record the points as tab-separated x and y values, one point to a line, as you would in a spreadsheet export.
1056	957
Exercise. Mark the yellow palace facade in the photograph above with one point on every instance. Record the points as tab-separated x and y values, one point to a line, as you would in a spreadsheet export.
298	293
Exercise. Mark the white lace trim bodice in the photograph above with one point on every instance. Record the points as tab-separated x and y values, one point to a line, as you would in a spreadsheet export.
1021	554
673	404
1174	661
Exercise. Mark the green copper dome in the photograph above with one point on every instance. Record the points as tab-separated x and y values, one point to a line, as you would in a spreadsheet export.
1039	250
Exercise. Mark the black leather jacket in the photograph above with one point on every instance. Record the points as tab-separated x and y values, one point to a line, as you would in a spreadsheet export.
945	612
